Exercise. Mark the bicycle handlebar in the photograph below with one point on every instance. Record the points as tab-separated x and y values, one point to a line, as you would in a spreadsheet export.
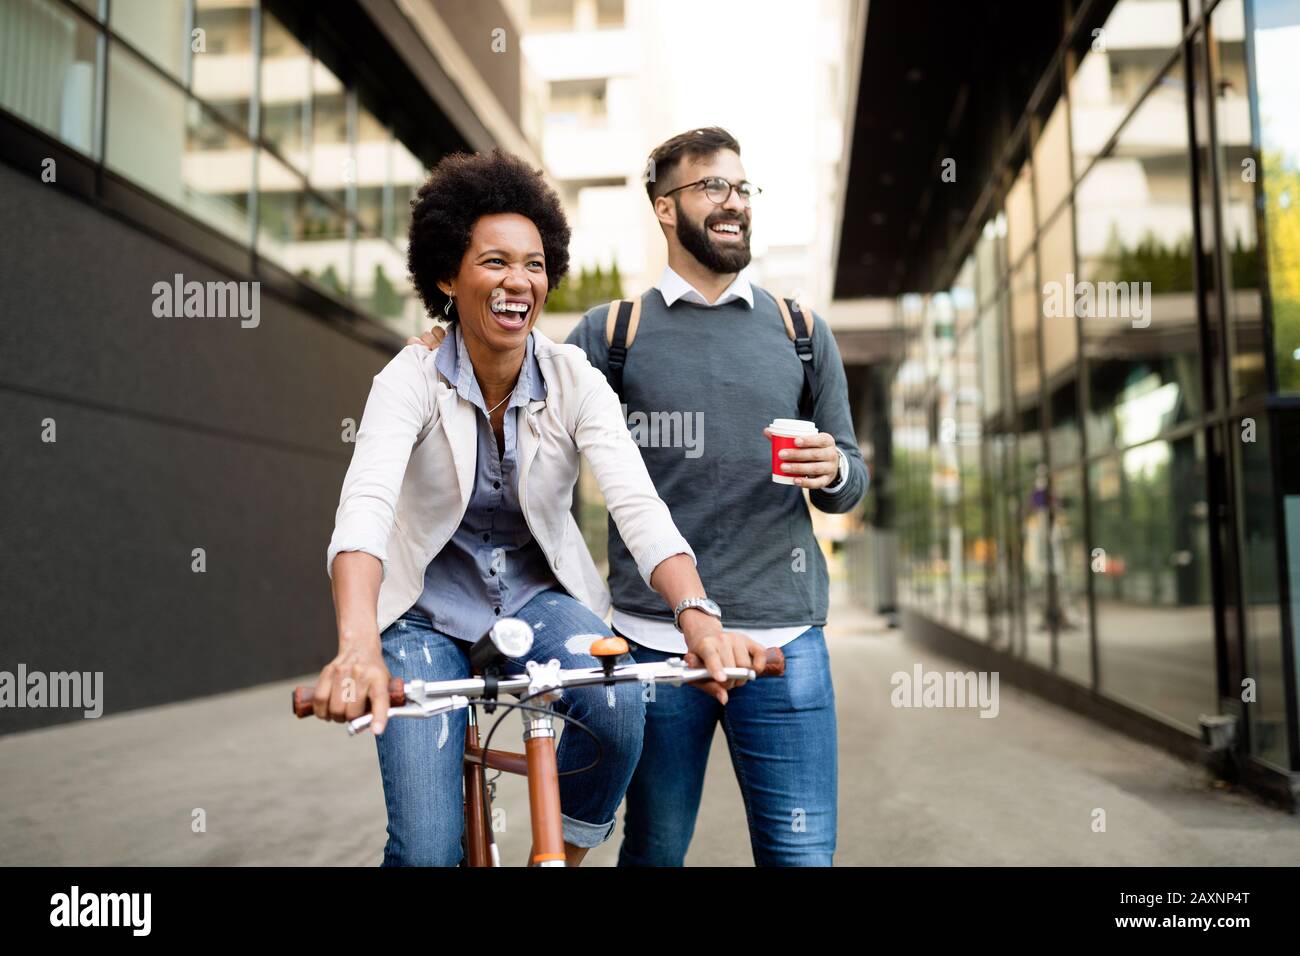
303	694
397	696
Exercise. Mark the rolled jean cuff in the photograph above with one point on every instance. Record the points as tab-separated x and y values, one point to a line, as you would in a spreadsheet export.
578	833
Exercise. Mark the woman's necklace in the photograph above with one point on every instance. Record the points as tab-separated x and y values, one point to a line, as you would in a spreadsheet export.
497	405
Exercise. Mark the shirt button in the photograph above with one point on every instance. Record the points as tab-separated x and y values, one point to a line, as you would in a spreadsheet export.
486	536
492	571
496	484
496	610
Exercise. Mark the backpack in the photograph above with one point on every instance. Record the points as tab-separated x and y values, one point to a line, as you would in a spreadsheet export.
625	315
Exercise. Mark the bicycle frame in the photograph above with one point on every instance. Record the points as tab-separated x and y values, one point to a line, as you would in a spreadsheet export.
538	764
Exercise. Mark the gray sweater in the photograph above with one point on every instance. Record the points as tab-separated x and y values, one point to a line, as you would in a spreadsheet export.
700	384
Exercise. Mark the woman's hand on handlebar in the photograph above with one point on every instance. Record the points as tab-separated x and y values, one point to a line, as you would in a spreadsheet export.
356	676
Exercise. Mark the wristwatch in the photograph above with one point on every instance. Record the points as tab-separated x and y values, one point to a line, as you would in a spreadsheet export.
699	603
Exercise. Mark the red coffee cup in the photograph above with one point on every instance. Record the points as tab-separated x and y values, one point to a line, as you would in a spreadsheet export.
784	432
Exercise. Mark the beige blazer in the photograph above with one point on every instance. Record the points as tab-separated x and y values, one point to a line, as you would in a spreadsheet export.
410	479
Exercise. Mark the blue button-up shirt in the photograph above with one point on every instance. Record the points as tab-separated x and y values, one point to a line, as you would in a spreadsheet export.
491	567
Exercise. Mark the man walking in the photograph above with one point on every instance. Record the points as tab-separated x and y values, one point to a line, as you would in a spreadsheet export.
716	349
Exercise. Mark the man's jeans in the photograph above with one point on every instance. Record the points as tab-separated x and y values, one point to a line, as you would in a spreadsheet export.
420	759
781	734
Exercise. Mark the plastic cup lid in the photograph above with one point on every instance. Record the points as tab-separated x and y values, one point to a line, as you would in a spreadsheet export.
794	426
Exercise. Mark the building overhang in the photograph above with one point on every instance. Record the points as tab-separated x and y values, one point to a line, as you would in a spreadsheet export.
939	81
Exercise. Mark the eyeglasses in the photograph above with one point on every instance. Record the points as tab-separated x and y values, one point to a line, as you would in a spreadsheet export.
719	189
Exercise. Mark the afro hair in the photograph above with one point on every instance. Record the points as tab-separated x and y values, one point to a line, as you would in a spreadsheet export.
461	189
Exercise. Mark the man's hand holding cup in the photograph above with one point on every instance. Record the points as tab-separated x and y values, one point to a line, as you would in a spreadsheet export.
801	455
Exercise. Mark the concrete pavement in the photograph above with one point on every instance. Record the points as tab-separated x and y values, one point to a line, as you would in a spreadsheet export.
917	786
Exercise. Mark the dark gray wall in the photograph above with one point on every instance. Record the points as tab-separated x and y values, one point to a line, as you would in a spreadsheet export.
173	434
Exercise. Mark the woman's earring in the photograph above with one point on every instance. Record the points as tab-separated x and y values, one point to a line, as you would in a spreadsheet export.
446	309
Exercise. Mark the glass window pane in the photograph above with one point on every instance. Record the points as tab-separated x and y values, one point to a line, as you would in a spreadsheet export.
1287	473
299	231
1133	45
1070	570
1004	584
1248	371
1154	604
969	412
1208	253
1035	530
170	145
975	543
382	287
992	352
939	320
1020	216
408	175
1136	293
286	91
1052	179
146	119
1060	338
1030	477
1256	498
1277	77
923	532
218	172
1024	337
963	295
155	29
223	72
48	70
974	566
330	143
372	179
988	267
946	474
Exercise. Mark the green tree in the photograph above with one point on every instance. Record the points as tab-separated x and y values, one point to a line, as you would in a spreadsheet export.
587	289
1282	216
615	282
385	301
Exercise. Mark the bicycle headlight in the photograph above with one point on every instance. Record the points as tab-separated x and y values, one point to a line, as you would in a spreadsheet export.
509	638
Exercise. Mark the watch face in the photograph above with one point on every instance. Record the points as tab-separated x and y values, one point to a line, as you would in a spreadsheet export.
710	606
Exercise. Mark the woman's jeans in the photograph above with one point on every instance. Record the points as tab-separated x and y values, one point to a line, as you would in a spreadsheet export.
420	758
781	733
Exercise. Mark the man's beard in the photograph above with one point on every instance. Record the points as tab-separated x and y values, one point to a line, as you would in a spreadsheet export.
695	240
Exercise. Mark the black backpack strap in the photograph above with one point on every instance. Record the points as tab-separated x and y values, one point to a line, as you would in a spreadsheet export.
799	327
620	331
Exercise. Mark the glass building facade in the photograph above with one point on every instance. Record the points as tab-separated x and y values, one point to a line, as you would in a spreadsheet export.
265	149
219	109
1096	423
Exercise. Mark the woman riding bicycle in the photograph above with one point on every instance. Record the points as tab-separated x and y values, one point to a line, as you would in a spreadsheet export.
455	513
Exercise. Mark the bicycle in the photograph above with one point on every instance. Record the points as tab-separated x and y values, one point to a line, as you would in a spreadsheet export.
543	684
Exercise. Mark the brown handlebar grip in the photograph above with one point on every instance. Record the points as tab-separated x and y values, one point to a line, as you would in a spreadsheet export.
302	697
775	666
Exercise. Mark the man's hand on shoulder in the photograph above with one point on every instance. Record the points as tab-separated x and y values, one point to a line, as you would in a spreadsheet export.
431	339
